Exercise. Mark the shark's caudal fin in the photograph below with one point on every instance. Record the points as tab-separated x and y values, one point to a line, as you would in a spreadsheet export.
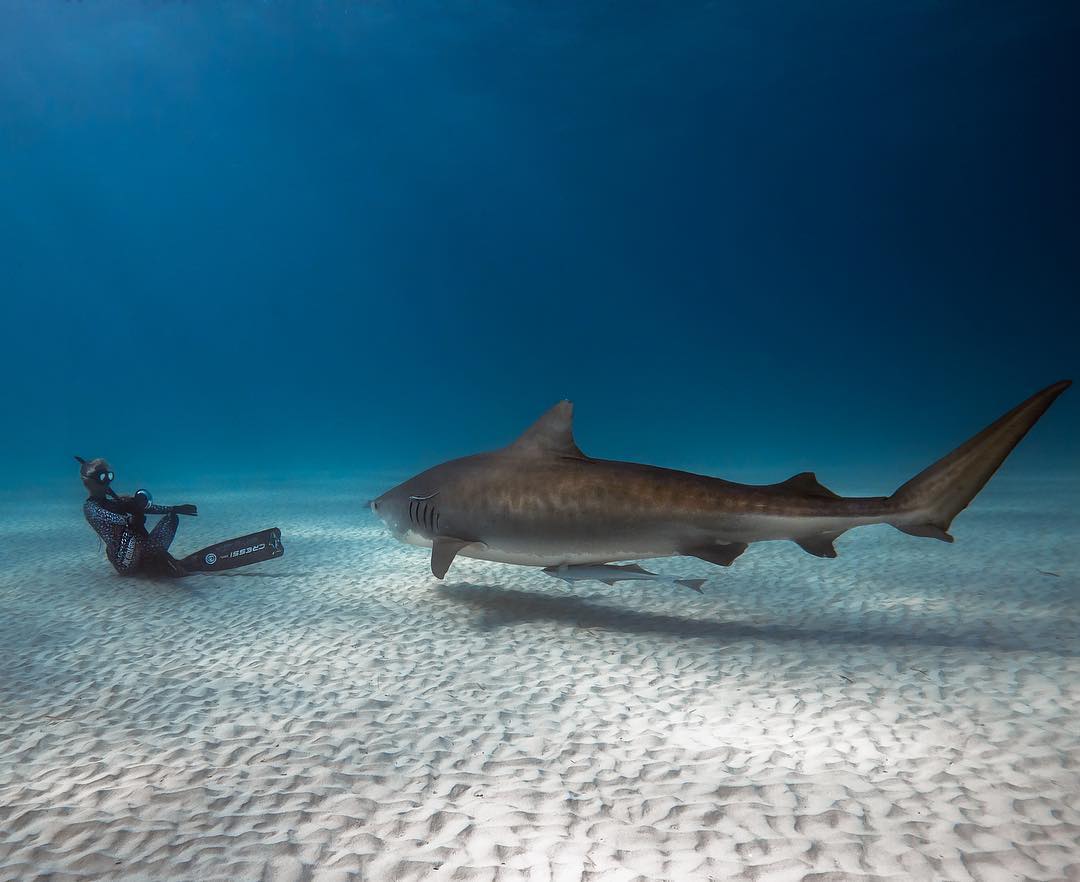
929	501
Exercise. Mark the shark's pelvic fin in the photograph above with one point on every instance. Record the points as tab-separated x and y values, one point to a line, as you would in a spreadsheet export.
724	555
820	545
551	435
807	484
692	584
443	551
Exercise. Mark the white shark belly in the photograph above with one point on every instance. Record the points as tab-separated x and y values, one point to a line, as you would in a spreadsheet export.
763	528
538	558
523	555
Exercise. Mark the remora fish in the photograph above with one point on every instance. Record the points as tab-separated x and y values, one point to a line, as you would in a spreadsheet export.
542	502
609	574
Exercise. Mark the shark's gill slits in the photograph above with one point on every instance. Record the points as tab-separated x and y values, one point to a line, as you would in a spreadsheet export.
423	514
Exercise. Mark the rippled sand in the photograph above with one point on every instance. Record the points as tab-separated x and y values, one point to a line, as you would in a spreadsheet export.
910	710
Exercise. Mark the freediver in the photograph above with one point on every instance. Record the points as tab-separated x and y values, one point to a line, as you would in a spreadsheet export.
120	521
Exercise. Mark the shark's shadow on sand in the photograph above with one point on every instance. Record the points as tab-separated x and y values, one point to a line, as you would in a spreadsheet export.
504	606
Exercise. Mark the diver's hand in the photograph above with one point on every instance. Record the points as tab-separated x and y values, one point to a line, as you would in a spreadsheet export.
186	509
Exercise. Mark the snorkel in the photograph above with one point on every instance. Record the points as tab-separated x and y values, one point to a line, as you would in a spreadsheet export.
96	476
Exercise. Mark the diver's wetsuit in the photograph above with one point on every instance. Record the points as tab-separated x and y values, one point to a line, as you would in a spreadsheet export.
130	548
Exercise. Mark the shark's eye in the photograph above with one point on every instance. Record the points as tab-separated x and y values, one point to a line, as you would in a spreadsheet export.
110	476
103	477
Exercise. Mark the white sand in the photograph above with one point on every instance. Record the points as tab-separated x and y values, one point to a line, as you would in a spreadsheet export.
908	711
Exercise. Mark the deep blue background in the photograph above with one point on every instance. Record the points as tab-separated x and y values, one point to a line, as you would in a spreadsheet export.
280	238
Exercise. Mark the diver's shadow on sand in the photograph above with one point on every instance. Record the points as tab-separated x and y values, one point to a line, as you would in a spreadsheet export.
503	606
193	579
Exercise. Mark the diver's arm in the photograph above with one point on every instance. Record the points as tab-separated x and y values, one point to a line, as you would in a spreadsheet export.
100	516
141	503
186	509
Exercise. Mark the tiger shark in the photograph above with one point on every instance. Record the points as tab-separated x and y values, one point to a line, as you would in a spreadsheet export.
542	502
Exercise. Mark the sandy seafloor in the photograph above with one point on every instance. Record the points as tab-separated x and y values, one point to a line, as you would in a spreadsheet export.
910	710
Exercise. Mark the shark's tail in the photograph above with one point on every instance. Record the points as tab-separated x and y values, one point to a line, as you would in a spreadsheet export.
928	502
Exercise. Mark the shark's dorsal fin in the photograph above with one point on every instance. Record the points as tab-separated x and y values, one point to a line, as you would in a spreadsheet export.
807	484
551	435
443	551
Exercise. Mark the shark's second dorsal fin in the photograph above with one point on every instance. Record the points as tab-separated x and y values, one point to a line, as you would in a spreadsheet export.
552	434
807	484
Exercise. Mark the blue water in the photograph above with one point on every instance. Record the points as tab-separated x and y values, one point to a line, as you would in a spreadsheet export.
273	257
272	239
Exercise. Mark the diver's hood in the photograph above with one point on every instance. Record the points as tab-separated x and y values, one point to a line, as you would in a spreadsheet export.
96	474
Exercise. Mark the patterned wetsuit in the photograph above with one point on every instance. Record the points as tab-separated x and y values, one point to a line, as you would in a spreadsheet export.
129	547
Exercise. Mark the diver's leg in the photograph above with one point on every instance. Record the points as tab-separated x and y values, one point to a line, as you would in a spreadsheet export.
164	532
128	553
158	560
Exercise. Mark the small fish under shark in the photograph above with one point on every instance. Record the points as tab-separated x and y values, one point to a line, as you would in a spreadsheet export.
609	574
542	502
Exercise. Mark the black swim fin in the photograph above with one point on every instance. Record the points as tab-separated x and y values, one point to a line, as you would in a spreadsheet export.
232	553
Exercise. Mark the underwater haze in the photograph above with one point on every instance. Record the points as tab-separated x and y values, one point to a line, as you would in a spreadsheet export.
273	258
268	238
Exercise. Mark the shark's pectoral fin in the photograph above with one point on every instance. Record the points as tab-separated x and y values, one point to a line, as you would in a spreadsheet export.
443	551
820	545
721	554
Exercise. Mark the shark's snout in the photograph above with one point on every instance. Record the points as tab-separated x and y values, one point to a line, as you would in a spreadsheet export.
384	509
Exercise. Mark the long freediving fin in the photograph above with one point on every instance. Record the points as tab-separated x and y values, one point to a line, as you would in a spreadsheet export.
232	553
